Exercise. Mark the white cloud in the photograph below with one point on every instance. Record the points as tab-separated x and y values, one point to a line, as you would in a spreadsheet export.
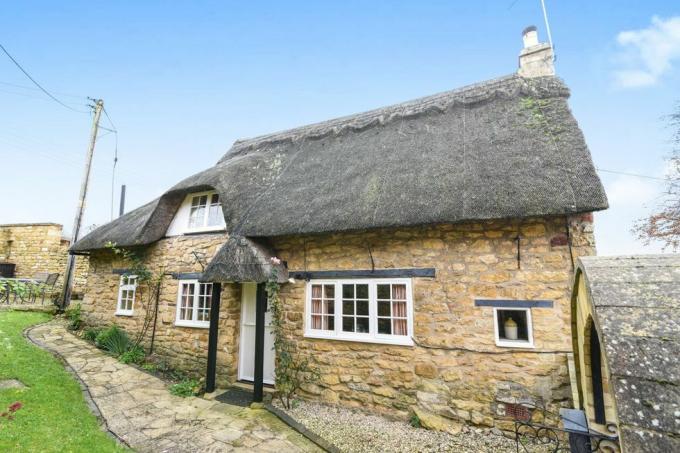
648	53
626	191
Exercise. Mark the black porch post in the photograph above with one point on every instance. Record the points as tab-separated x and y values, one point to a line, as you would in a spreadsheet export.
212	337
260	307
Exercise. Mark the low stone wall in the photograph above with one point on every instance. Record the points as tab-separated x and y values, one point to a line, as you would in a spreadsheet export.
455	373
40	247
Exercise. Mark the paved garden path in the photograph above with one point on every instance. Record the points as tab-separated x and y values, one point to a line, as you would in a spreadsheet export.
139	409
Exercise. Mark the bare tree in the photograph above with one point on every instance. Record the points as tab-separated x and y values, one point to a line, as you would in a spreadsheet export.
664	224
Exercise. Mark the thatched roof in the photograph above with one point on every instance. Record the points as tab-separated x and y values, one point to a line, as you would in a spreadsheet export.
506	148
244	260
636	303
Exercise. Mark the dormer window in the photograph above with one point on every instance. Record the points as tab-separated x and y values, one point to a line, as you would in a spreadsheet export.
199	212
205	211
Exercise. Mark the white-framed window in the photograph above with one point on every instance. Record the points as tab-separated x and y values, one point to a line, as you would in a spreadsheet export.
205	211
193	304
513	327
368	310
199	212
127	288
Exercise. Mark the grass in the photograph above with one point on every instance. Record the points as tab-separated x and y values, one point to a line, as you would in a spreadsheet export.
54	416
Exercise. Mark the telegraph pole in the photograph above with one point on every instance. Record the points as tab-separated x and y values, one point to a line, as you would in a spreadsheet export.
80	209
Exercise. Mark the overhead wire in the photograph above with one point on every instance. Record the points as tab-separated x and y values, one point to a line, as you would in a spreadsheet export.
115	159
54	98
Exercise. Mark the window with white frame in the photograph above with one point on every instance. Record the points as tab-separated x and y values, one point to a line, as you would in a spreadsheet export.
127	289
513	327
376	310
193	303
205	211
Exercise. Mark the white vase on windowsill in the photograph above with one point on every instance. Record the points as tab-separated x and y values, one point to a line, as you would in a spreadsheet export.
510	328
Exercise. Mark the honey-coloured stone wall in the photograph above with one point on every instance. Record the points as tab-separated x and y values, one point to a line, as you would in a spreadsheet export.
184	348
454	373
40	247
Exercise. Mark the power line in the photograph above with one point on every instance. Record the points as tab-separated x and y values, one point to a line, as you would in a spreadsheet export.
36	83
26	87
636	175
115	160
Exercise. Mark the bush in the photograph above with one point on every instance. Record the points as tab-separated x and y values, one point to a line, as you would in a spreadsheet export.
135	354
187	387
90	334
73	314
415	421
113	340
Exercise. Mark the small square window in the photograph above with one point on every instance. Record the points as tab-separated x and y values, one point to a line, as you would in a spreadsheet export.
513	327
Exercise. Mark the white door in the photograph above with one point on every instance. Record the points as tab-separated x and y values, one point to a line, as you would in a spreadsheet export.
246	366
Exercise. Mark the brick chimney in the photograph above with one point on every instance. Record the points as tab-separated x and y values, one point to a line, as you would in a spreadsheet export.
535	59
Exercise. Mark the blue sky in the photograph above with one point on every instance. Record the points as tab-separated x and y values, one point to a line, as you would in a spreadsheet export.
182	81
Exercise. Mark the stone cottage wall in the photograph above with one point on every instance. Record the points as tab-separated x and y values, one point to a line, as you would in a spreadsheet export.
455	373
40	247
183	348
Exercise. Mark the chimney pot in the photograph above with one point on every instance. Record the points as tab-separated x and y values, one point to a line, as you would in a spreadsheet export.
536	58
530	36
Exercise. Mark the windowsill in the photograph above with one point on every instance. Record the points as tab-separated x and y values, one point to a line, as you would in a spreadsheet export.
515	344
219	229
194	324
401	341
123	313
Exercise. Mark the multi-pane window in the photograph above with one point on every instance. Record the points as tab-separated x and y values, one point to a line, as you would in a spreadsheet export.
392	311
205	211
377	311
355	307
323	307
126	294
193	303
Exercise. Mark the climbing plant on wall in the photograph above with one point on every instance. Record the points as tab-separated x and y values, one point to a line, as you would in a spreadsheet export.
148	286
292	369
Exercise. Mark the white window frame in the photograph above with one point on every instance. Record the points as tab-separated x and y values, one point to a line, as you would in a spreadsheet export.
128	287
206	216
503	343
192	322
372	336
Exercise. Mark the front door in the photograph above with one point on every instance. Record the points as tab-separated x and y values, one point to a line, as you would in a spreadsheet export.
246	366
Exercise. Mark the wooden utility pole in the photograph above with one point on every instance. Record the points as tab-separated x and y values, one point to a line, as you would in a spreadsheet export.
80	209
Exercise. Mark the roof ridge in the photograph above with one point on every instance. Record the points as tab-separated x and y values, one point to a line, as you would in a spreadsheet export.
466	95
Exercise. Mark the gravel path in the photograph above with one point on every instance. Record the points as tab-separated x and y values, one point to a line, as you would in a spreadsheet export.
353	431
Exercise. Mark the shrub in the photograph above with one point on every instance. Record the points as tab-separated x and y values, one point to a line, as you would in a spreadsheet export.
135	354
415	421
186	387
73	314
150	367
90	334
113	340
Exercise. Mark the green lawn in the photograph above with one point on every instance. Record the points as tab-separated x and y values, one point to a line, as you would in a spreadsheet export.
54	416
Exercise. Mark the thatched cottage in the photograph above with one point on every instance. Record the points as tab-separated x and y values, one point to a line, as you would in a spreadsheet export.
426	251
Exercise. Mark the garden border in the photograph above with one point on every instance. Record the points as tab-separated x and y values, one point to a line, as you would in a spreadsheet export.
302	429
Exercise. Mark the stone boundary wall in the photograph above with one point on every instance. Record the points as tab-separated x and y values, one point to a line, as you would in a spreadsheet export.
40	247
455	374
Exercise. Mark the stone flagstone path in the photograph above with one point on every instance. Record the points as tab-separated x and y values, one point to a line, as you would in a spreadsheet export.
139	409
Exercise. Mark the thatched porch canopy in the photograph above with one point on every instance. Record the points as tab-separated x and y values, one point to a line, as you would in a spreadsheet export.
505	148
244	260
